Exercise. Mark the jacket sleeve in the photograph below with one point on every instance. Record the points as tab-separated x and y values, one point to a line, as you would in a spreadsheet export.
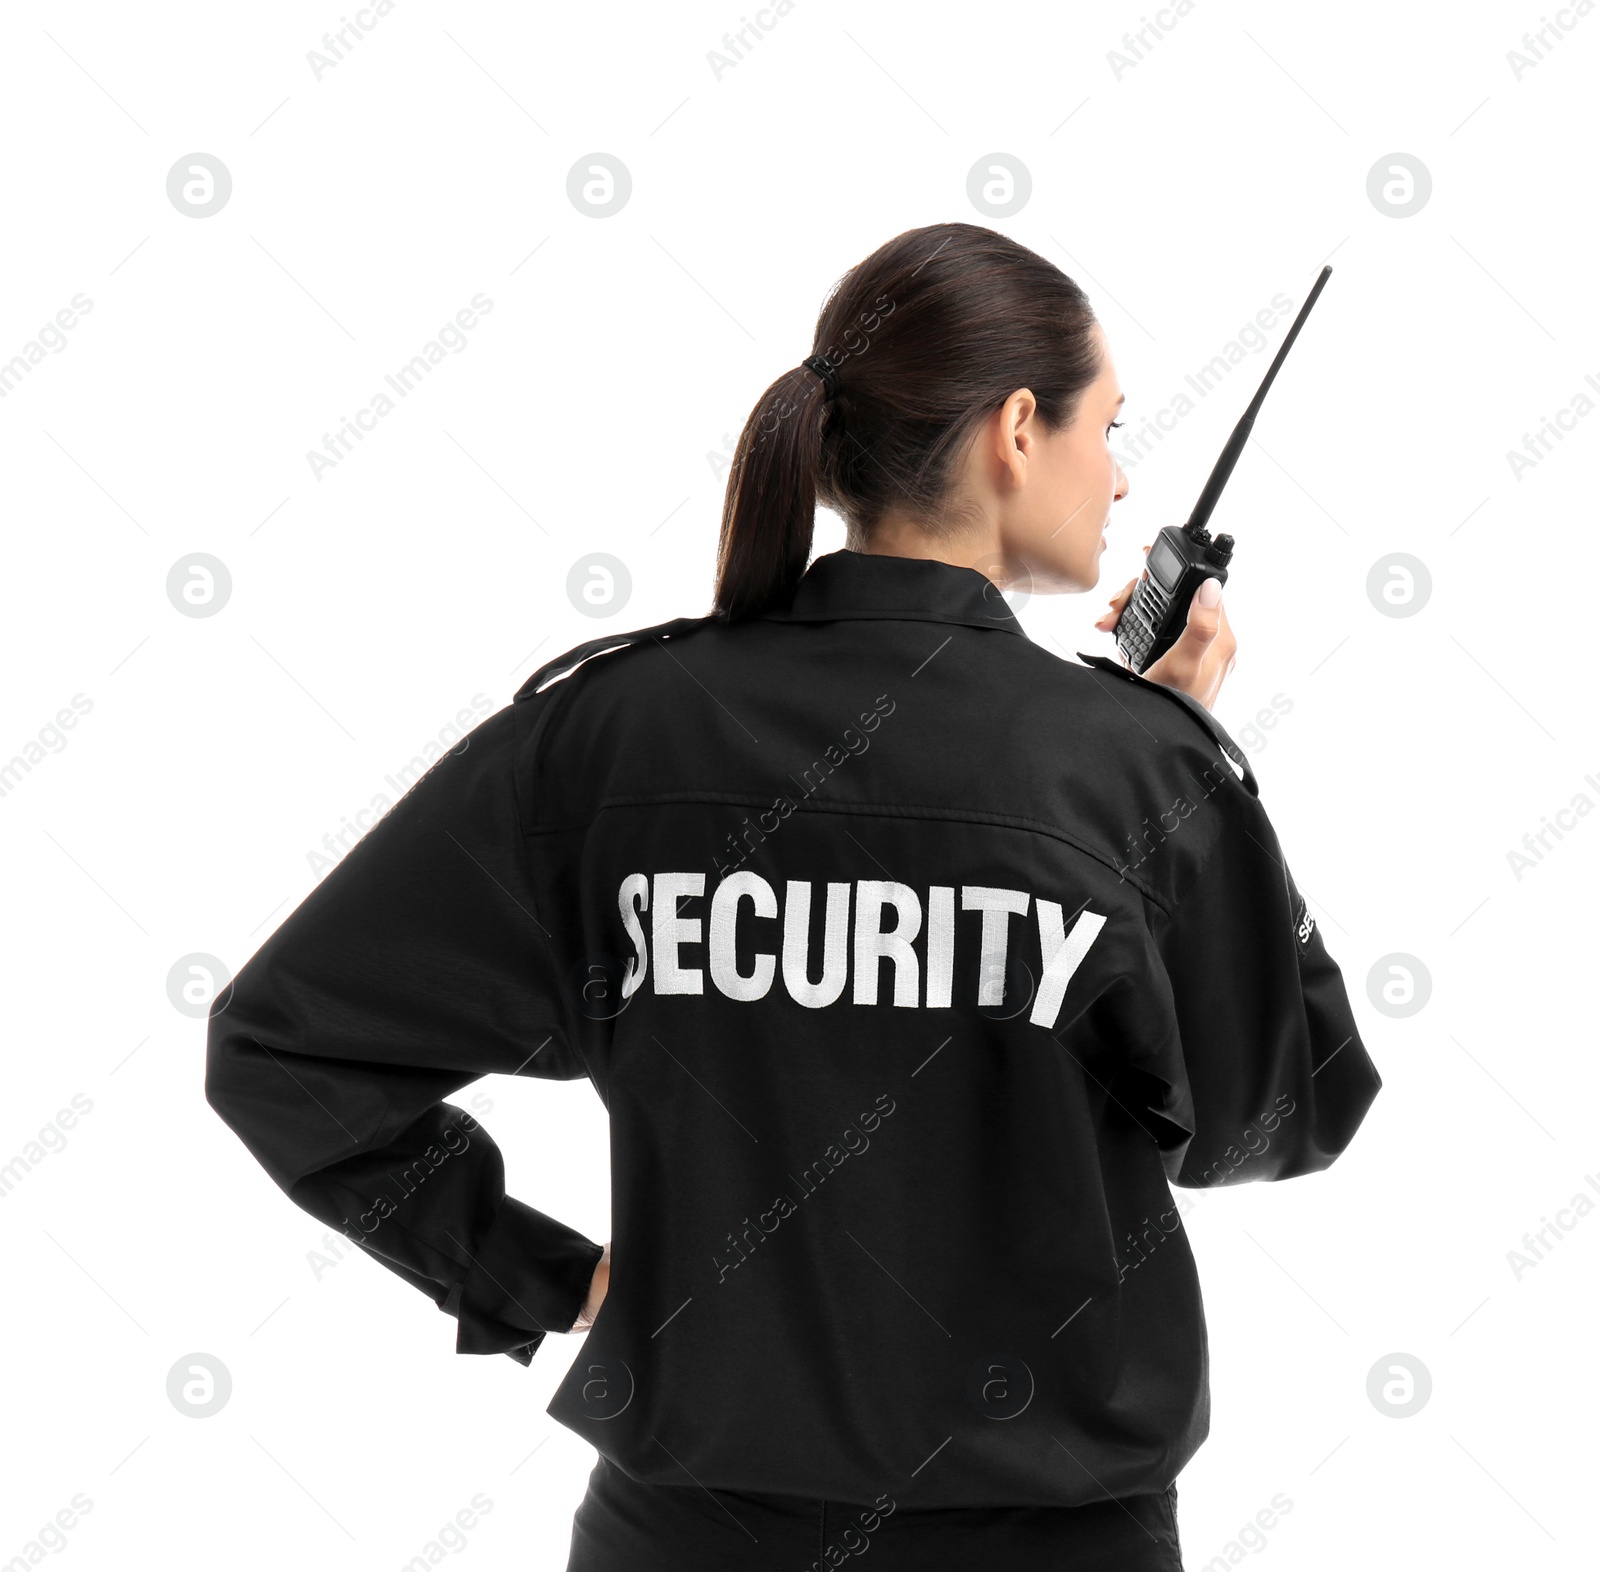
1278	1079
416	966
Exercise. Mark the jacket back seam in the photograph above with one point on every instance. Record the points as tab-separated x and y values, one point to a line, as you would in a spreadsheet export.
896	810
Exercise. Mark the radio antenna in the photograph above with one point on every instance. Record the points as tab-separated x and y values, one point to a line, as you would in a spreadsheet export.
1196	527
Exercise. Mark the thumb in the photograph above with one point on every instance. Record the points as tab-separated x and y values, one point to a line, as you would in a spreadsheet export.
1204	621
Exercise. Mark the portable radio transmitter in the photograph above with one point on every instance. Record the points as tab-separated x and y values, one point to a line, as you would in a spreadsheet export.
1182	559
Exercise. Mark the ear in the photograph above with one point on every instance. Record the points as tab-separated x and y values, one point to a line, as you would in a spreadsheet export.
1015	433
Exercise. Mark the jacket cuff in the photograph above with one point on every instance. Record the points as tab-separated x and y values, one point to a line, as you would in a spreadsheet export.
531	1276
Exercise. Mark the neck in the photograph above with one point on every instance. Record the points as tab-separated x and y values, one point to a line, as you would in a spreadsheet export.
896	535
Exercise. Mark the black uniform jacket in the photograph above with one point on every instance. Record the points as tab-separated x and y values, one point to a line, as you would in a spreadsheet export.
912	963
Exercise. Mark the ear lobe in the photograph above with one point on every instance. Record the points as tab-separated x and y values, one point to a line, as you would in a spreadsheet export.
1018	451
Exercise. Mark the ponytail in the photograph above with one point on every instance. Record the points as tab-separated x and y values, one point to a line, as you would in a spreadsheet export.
916	346
769	508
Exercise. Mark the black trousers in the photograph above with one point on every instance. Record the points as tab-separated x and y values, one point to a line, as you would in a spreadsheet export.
622	1525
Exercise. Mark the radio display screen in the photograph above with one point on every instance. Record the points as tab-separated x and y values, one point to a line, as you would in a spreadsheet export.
1166	566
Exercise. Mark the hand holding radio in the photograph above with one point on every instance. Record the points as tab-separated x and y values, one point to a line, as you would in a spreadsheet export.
1201	655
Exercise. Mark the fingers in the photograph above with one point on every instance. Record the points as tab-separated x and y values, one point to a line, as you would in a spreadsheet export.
1107	620
599	1285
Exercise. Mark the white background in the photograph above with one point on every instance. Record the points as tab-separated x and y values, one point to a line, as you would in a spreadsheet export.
369	606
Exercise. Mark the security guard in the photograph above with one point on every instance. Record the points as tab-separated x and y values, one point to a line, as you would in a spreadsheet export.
912	963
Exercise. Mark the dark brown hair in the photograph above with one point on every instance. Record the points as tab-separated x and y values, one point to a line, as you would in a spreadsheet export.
926	338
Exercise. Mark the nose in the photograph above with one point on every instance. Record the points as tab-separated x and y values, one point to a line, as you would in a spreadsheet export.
1122	484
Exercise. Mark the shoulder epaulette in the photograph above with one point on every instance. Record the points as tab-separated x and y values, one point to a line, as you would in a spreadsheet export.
562	665
1215	727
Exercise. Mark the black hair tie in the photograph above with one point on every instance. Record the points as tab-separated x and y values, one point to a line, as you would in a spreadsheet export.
829	375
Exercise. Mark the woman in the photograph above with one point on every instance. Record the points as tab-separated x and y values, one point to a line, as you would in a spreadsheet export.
911	961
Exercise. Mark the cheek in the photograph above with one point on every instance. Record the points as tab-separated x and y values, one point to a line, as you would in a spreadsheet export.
1091	470
1109	459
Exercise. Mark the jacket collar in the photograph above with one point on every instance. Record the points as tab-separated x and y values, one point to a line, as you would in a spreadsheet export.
852	584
